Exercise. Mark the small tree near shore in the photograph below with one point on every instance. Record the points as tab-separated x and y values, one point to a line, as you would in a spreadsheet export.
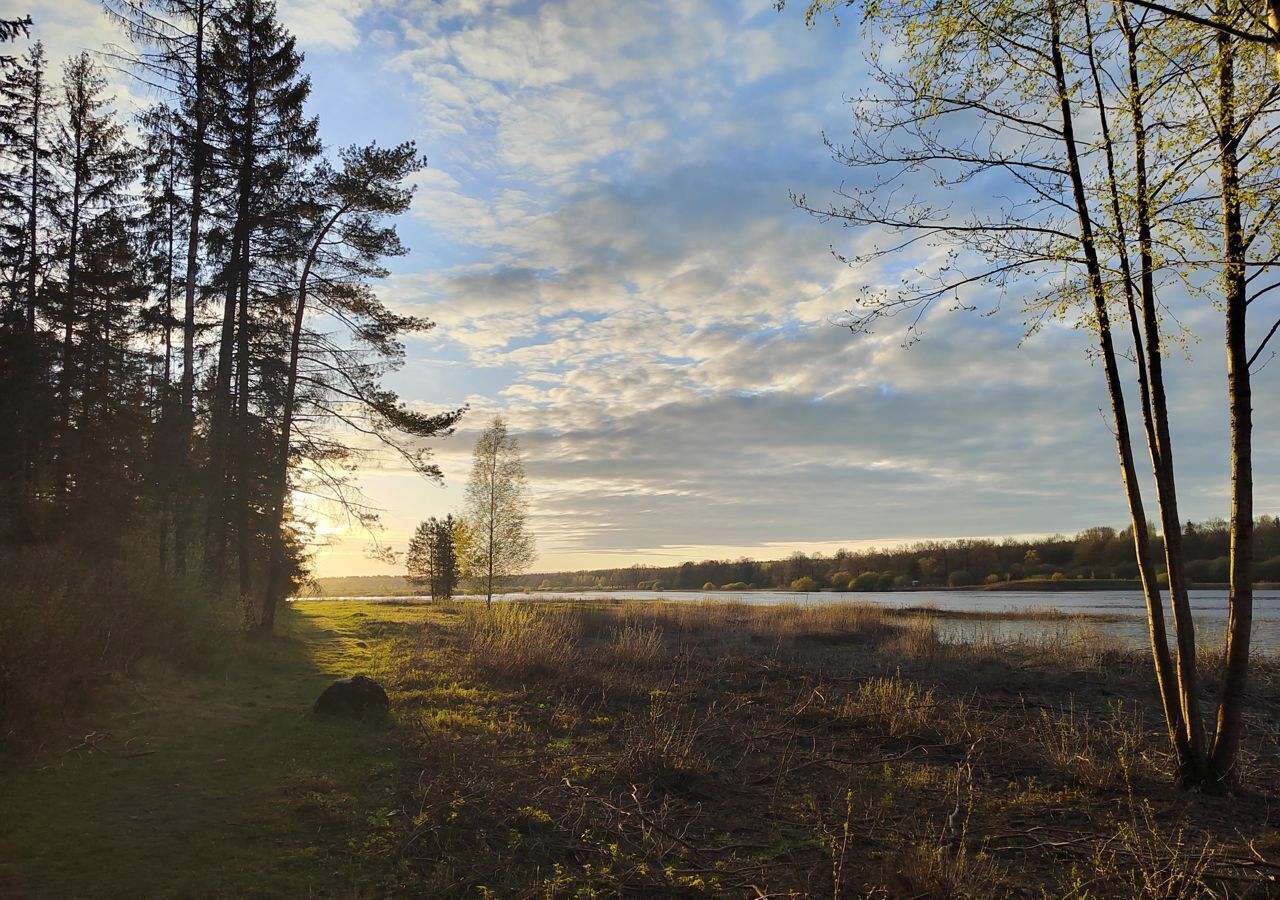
496	512
433	556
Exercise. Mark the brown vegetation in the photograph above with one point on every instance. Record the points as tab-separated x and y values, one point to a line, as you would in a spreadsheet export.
691	749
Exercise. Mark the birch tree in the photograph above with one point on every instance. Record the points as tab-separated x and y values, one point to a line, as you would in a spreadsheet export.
496	514
1091	215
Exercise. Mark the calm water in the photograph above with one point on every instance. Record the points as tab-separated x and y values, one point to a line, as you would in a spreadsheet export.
1121	613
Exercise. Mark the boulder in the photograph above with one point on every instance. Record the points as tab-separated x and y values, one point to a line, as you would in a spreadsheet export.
355	697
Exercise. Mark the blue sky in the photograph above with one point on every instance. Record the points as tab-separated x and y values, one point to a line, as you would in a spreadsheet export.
605	241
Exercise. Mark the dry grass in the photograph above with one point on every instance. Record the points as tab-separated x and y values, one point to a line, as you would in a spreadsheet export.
517	640
712	749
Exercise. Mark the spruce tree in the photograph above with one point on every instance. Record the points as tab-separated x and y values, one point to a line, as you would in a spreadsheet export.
26	178
96	167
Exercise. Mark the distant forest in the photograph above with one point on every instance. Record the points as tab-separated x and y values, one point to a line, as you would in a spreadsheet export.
1095	554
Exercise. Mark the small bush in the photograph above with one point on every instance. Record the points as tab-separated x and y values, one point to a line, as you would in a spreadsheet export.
892	705
68	627
960	578
804	584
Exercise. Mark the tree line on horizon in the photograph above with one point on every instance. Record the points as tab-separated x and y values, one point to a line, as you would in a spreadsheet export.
189	342
1099	553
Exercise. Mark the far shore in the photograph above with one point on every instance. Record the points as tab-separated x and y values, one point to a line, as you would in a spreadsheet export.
1023	585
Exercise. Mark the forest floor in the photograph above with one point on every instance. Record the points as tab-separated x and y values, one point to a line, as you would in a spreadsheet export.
639	749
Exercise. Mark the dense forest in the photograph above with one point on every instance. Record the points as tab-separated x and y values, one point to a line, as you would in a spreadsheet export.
1096	553
189	342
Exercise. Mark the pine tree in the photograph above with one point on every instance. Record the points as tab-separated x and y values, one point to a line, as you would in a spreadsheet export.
26	118
171	53
267	139
96	167
346	240
432	559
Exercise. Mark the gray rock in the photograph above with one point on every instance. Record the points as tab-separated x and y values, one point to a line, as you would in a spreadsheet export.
356	697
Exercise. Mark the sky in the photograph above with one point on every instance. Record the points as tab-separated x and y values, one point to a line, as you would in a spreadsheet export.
606	242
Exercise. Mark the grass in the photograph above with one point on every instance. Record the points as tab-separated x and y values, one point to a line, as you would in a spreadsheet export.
704	749
639	748
212	783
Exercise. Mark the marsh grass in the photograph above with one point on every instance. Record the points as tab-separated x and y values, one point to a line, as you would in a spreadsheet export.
720	748
517	640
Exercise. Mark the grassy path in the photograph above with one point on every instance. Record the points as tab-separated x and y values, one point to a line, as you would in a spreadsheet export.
218	783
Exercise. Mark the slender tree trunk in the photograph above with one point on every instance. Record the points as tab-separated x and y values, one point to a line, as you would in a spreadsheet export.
1273	22
280	477
1149	348
196	211
275	568
493	524
241	448
165	464
29	346
69	312
33	230
1189	755
193	225
1230	724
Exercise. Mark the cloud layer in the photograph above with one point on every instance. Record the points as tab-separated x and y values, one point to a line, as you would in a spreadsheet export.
606	242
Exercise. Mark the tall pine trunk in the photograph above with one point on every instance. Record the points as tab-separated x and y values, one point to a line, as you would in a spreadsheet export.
186	416
274	591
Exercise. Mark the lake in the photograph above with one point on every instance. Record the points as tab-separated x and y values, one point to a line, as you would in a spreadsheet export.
1120	613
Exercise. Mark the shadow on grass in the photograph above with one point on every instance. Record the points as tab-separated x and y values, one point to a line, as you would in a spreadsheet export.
217	782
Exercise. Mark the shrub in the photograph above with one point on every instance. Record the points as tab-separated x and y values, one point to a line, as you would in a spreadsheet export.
736	586
960	578
841	580
708	586
892	705
868	581
1058	576
68	626
993	578
804	584
1268	570
1213	570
